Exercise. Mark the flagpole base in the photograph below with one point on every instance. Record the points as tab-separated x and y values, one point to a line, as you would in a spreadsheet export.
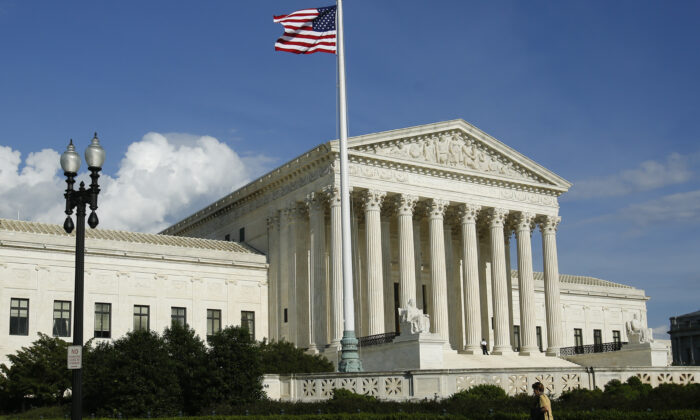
349	358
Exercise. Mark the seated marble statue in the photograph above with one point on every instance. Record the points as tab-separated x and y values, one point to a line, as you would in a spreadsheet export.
413	319
637	333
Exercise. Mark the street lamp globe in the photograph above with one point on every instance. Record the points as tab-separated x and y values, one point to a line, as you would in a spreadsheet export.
95	154
70	159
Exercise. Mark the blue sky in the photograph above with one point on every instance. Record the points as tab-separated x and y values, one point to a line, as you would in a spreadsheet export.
605	94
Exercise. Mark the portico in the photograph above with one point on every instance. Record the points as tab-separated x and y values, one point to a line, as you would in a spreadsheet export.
434	210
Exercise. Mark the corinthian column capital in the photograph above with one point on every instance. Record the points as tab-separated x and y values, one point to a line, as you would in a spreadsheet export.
468	212
273	222
405	204
372	199
524	221
315	201
332	193
436	208
549	224
496	217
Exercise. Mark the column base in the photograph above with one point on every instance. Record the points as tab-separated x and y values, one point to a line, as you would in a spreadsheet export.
349	358
553	352
312	349
501	351
475	349
531	351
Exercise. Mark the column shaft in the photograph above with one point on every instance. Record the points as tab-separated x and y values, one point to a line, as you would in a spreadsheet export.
498	278
407	263
509	284
336	283
438	297
317	223
273	250
470	268
526	288
386	274
548	227
375	287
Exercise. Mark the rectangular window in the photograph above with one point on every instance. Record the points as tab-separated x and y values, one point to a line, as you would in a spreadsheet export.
538	330
516	337
616	339
597	341
285	314
241	234
396	307
61	318
578	338
248	322
425	299
141	317
103	320
178	315
19	316
213	321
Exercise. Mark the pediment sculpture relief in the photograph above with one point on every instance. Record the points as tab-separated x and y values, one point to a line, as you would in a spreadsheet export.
454	150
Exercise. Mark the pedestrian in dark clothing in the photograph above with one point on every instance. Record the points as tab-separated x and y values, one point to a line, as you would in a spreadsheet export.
484	347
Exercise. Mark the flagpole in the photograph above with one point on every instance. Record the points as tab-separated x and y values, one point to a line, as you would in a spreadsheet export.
349	358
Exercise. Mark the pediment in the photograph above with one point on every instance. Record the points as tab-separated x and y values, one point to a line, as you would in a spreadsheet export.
457	146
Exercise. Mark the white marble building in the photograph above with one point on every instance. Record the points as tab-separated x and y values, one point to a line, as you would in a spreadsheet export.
438	210
132	280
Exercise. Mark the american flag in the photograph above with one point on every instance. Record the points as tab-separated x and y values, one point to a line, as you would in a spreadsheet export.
308	31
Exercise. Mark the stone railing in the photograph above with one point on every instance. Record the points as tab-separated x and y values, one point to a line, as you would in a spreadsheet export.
592	348
373	340
420	384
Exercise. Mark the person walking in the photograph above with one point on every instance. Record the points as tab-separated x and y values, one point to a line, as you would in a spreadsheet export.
542	409
484	347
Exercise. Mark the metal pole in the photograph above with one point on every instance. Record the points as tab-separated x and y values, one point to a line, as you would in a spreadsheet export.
77	386
349	358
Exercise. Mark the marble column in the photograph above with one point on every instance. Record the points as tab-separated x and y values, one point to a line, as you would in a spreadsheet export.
526	289
470	270
386	274
316	205
507	233
454	289
499	282
438	297
405	204
273	252
288	270
548	227
372	201
418	254
336	283
302	310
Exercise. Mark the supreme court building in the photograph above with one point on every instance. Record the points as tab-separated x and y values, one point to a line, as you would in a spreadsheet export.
436	210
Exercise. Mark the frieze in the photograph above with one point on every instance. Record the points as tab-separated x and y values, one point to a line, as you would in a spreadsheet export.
383	174
453	149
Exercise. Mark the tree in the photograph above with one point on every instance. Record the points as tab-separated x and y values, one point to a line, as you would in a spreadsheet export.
192	365
37	376
282	357
133	376
237	367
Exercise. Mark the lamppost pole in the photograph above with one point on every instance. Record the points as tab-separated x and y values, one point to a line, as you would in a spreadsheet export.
79	199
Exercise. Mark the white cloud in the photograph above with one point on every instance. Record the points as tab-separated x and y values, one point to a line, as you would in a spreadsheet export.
159	181
647	176
675	208
661	332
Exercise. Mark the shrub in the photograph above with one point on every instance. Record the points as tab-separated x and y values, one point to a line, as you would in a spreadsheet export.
237	367
340	394
482	392
282	357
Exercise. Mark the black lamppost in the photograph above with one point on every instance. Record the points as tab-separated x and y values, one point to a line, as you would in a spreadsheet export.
78	199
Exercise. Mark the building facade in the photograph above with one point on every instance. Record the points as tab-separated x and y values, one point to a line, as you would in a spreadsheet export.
132	281
438	211
685	339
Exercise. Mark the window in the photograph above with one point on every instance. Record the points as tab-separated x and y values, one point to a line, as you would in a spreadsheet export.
538	330
396	307
241	234
141	317
213	321
516	337
616	338
178	315
103	320
248	322
425	299
227	237
19	316
61	318
578	338
285	314
597	341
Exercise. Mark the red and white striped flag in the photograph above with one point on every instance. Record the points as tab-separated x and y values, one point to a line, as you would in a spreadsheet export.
308	31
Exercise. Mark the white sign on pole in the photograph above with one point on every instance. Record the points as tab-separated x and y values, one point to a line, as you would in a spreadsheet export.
75	357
